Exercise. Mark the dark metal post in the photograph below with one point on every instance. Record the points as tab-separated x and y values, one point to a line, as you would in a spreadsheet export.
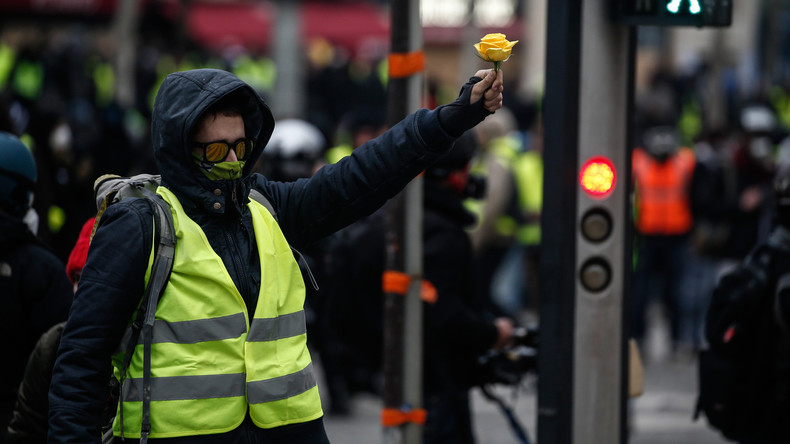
561	121
402	391
583	379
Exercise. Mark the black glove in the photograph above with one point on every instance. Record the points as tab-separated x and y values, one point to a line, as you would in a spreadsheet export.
459	116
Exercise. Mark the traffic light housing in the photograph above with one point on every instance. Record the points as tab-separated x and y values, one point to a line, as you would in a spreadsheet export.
699	13
597	182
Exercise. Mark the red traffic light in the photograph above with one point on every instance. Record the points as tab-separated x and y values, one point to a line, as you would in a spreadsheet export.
598	176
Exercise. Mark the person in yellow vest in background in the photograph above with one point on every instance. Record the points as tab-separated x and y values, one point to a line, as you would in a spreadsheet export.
662	173
259	72
507	237
494	232
226	357
528	175
7	58
515	286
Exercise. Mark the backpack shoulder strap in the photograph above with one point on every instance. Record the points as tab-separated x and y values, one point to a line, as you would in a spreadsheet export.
144	322
160	274
257	196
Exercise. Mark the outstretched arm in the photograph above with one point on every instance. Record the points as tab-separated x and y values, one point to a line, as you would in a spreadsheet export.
354	187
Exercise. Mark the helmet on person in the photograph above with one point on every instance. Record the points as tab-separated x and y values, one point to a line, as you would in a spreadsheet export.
758	118
292	151
17	175
661	141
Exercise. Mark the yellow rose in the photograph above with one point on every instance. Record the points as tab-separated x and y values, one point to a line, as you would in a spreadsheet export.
495	48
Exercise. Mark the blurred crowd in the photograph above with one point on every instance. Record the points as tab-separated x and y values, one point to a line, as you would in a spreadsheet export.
702	195
57	93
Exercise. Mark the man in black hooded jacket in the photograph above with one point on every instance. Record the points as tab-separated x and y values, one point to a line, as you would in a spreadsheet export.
229	362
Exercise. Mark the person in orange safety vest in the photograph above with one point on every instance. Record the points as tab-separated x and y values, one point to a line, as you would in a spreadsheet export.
662	173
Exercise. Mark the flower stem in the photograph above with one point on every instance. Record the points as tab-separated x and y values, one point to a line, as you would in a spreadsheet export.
496	66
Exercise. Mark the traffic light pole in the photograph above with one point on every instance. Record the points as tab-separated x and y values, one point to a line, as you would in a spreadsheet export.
557	301
403	414
585	257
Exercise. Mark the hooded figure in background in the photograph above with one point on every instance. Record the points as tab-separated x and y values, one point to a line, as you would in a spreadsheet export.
229	361
29	422
34	292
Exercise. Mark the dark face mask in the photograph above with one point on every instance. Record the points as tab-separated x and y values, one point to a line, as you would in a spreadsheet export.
475	187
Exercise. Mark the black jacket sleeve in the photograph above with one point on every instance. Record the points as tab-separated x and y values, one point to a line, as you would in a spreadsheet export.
110	288
356	186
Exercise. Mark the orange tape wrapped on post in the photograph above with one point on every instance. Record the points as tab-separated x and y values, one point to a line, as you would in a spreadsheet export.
397	417
396	282
405	64
428	292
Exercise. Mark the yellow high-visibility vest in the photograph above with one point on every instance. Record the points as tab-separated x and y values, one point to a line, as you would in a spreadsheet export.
528	175
211	360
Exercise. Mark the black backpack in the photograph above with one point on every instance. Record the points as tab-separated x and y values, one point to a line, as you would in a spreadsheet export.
746	331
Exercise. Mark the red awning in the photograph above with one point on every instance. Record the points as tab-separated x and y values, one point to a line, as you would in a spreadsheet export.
251	24
70	8
358	26
220	25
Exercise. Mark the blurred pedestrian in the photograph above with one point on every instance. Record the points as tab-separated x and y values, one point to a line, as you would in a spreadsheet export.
713	199
755	164
31	412
229	361
662	173
34	292
493	234
516	286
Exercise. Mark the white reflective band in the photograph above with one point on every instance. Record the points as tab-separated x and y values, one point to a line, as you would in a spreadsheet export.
174	388
282	387
283	326
201	330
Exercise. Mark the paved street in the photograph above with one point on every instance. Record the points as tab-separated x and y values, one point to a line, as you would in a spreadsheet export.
662	415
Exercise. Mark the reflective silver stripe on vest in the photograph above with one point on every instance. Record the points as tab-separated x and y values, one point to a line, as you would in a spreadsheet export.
272	329
201	330
282	387
174	388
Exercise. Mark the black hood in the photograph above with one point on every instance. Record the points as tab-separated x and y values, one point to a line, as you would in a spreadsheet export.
181	100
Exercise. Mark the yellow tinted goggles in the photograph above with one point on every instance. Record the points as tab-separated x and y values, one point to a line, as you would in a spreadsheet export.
217	151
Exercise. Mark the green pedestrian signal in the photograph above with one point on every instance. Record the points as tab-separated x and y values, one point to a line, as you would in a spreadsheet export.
675	5
699	13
